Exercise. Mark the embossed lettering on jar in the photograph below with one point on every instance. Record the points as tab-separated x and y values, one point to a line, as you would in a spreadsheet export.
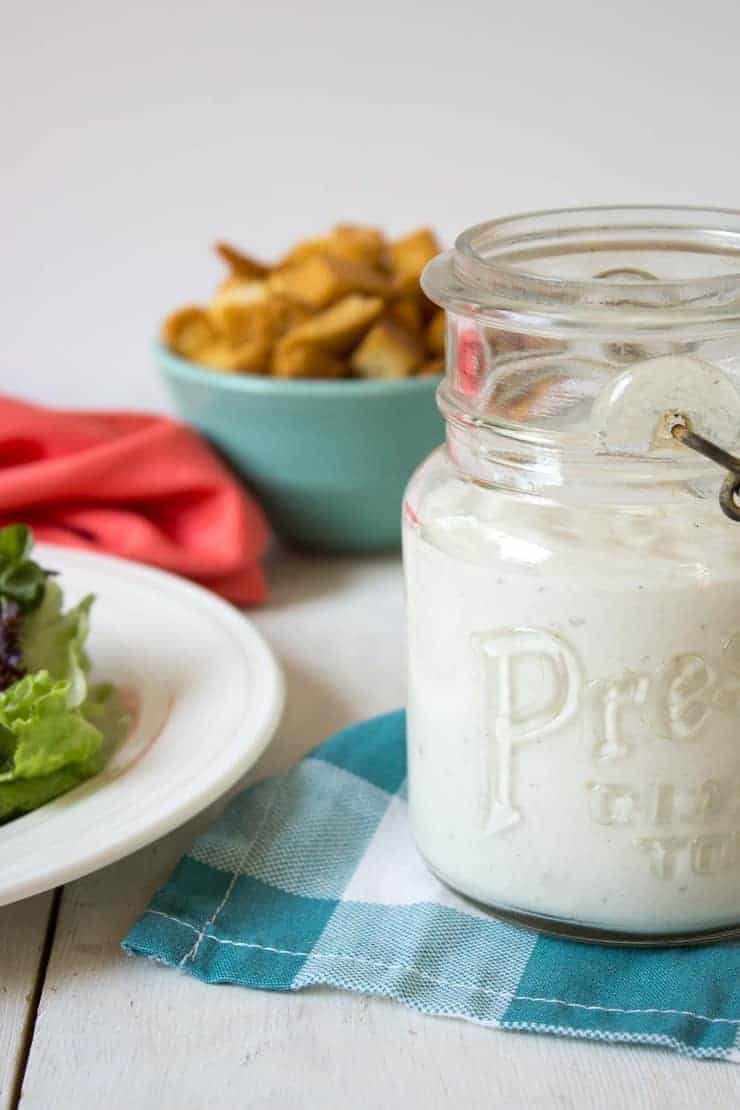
573	585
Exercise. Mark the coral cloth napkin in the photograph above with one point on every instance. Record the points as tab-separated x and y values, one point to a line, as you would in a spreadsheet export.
135	485
312	878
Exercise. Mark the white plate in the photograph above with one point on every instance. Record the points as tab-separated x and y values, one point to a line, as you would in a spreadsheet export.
209	694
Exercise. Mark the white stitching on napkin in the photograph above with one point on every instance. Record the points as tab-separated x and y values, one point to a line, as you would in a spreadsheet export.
431	978
212	920
630	1038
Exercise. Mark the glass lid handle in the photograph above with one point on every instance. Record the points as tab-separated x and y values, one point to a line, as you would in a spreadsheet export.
680	428
657	404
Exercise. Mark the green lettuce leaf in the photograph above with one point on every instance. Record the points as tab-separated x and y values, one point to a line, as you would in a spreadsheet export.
16	544
23	795
53	641
21	580
48	733
55	730
46	745
108	711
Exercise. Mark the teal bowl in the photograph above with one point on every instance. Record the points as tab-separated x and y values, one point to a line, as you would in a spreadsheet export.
329	460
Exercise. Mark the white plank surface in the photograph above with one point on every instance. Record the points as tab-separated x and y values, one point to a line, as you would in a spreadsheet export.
22	933
120	1032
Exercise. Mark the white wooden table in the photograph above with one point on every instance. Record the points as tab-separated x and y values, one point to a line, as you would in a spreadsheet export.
82	1025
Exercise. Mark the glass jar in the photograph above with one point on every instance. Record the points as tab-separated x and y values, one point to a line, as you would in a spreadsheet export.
573	586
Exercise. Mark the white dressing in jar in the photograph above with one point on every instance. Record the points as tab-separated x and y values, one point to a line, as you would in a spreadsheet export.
574	593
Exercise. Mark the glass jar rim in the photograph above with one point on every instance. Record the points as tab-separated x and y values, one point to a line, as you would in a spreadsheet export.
503	271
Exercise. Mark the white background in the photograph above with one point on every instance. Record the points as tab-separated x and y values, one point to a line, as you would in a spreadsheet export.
134	134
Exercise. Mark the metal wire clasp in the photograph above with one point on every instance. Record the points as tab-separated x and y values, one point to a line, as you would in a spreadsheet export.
680	428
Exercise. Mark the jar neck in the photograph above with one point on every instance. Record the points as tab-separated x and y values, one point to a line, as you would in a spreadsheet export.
573	335
616	272
551	467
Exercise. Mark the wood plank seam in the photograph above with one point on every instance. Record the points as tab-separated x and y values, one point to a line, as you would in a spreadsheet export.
29	1026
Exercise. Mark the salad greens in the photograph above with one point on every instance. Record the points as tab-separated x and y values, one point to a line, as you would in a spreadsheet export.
51	721
21	580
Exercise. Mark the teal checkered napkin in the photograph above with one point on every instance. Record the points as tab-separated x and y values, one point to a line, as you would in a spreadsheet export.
312	878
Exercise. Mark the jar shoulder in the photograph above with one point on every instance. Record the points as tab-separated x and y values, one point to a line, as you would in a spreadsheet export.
683	530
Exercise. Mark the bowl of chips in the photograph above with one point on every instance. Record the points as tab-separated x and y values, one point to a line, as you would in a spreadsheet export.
315	378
